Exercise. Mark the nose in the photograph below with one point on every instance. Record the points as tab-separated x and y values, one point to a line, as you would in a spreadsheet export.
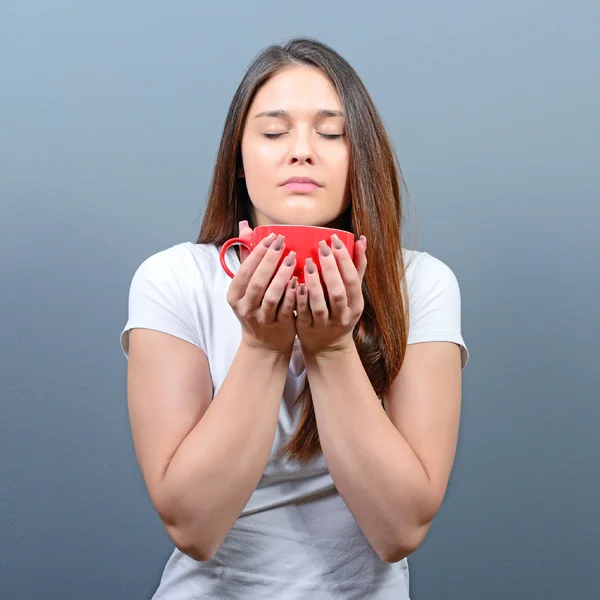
301	150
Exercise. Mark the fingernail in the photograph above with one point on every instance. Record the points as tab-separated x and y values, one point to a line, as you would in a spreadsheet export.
302	290
243	225
310	266
364	240
324	248
279	243
269	240
289	261
294	283
336	241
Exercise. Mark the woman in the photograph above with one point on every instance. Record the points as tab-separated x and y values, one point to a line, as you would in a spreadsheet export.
293	447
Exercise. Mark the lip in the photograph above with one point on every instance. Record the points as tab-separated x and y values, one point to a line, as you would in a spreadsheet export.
301	184
301	180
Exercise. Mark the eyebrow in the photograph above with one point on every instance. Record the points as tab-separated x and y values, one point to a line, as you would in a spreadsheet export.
321	114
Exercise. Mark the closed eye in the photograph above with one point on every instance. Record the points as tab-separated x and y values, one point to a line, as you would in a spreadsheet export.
327	136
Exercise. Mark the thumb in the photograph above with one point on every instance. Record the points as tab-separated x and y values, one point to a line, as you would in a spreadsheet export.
246	233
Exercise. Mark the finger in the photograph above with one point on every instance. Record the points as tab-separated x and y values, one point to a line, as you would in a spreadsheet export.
263	274
316	296
303	316
288	304
336	290
276	289
348	272
360	256
239	284
247	233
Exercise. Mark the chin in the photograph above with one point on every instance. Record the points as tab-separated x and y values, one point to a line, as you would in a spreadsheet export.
299	216
299	210
309	221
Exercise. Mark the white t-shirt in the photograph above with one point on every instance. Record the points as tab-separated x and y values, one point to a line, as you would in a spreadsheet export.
296	537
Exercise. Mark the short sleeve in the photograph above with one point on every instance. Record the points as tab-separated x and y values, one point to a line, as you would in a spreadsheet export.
435	303
159	300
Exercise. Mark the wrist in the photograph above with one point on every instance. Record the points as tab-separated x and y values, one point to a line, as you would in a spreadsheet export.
273	356
332	353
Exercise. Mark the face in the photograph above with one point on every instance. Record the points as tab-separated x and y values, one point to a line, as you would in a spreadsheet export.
295	129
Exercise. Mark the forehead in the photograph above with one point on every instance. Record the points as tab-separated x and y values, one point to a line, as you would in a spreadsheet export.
297	90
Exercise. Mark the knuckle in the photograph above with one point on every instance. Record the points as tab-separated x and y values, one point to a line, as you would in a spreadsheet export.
244	308
319	311
261	320
255	286
337	297
269	301
354	292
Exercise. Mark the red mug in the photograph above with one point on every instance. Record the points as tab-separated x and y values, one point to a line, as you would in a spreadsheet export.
302	239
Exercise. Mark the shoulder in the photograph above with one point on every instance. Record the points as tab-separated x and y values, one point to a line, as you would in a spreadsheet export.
178	258
170	291
180	277
427	273
434	300
180	264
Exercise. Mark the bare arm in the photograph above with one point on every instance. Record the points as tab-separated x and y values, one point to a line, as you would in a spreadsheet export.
391	469
201	460
390	463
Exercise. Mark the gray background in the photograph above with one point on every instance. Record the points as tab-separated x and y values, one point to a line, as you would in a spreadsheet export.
110	117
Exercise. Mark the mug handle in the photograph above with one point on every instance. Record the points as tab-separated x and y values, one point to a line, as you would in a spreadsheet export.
226	247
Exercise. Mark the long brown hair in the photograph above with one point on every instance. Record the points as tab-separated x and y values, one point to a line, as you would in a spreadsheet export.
375	211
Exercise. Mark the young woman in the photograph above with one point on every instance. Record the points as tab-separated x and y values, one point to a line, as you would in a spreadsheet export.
295	447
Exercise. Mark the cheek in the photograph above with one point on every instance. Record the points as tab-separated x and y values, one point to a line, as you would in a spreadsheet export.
255	171
339	167
258	162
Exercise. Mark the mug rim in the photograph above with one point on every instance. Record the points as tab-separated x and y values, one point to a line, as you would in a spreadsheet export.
307	226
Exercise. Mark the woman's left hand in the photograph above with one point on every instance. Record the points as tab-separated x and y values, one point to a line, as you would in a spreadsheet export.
323	327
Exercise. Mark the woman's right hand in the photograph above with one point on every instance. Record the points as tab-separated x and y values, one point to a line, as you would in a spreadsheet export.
263	297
